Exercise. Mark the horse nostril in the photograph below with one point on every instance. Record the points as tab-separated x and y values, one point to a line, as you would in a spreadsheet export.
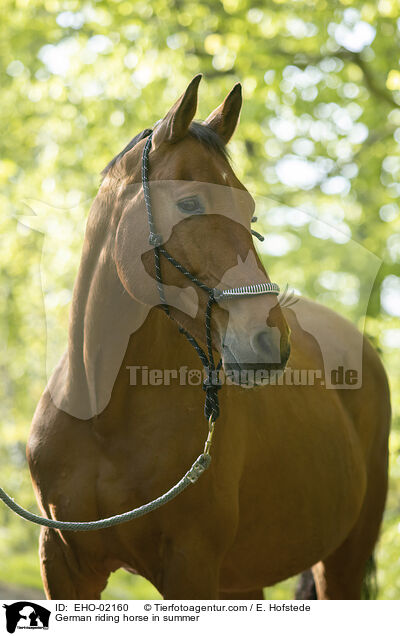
267	343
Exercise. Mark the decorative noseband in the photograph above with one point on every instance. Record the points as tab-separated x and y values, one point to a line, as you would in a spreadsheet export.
246	290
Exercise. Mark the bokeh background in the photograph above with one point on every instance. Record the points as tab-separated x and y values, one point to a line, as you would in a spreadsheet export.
318	143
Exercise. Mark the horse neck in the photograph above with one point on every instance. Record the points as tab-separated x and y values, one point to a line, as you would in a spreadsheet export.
102	319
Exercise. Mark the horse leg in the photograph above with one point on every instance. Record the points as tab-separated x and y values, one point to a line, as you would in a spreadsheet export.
62	575
190	572
342	574
248	595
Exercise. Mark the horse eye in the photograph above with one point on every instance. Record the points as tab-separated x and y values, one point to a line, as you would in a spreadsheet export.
190	205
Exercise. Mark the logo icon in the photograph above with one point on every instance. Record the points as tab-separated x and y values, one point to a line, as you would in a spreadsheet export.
26	615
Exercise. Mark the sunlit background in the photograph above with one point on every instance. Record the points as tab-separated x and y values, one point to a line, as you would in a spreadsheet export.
318	145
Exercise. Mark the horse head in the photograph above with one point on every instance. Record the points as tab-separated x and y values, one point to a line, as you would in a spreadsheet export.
202	213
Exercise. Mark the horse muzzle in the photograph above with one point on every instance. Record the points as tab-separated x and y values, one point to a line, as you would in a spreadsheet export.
252	363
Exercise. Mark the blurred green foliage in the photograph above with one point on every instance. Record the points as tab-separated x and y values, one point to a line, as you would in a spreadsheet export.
318	144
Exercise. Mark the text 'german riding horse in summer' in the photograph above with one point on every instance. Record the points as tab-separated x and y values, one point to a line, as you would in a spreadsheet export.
169	283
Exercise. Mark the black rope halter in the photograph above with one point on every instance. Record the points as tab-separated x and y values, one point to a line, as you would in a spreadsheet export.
212	383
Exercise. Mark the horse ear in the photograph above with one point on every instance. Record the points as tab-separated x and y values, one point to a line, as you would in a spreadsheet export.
176	122
225	118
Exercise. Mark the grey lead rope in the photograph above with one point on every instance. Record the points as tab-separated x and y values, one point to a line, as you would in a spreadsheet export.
200	465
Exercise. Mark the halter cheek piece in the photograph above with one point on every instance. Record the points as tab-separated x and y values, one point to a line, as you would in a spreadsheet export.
211	384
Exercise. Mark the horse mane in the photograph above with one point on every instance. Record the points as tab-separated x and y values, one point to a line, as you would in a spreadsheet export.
203	133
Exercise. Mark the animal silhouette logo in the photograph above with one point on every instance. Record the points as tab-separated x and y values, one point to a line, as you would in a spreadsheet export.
26	615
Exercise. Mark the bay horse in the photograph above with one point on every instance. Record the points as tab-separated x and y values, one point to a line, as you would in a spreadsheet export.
299	473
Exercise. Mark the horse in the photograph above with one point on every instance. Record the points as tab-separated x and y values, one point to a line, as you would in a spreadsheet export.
299	472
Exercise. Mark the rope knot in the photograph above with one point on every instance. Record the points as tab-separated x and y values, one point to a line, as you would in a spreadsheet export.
212	381
211	385
155	239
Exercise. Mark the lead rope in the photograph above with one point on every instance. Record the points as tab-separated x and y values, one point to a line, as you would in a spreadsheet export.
192	475
210	386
